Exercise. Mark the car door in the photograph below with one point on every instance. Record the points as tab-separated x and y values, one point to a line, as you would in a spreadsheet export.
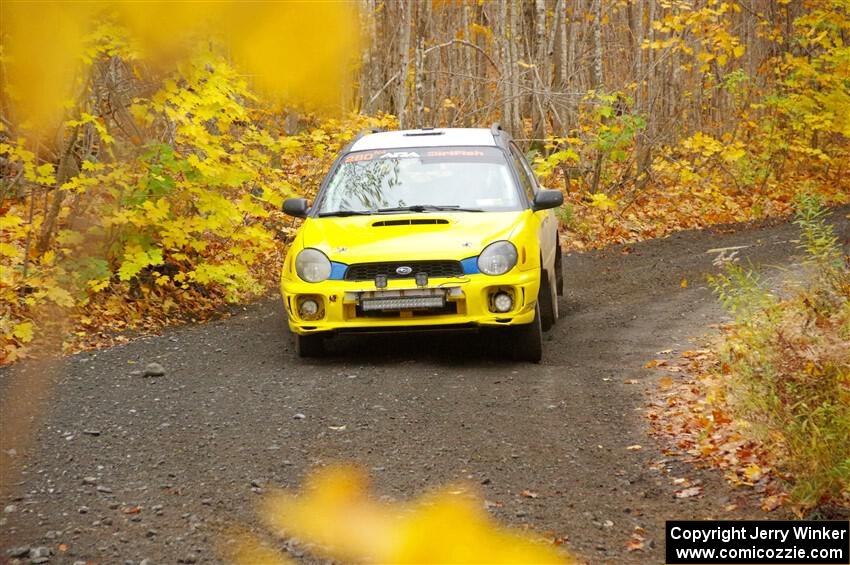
547	233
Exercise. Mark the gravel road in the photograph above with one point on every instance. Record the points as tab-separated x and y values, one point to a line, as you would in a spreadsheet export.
124	468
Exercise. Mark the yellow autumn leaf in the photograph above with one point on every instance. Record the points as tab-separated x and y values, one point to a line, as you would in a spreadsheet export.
157	211
96	285
602	201
8	250
8	221
733	153
23	332
44	174
753	472
60	296
478	29
337	516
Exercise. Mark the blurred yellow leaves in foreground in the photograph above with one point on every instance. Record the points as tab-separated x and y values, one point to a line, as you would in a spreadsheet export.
300	53
338	519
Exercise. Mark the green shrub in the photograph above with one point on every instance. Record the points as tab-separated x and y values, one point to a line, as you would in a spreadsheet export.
788	364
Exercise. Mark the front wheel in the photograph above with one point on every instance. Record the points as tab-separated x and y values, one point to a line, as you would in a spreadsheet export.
311	345
547	299
559	273
527	342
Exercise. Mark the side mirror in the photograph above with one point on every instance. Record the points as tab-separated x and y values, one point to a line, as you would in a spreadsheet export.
546	199
295	207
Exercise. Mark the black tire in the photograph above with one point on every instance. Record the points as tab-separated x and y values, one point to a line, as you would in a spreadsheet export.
547	298
559	273
311	345
527	343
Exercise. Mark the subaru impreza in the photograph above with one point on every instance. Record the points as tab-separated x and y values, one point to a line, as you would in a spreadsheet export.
427	229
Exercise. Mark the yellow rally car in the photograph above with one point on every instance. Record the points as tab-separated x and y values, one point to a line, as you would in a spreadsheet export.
427	229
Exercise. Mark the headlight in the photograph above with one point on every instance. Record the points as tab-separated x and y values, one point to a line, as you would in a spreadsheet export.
312	265
497	258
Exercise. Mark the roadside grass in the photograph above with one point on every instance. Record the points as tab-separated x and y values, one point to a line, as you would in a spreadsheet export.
771	403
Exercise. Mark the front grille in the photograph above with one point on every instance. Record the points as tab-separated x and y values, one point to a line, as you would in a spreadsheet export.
434	269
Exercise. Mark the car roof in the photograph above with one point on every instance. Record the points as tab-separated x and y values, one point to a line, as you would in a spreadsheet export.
428	137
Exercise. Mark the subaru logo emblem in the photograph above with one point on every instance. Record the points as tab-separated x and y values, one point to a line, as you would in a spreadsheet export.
404	270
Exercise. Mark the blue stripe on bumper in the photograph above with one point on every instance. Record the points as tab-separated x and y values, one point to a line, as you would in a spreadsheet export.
337	271
470	266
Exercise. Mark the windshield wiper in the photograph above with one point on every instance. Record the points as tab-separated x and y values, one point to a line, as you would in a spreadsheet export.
343	213
414	208
427	208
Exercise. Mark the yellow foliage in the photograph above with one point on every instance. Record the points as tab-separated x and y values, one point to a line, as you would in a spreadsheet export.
199	216
336	514
23	332
266	39
602	201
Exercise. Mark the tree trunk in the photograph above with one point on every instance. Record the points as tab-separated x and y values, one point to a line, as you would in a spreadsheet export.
597	45
419	66
469	94
507	65
640	71
540	74
405	17
515	121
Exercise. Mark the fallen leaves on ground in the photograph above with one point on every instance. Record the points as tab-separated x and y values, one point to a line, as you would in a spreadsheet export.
688	414
688	492
638	540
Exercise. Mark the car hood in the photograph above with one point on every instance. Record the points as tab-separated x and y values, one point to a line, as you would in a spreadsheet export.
391	237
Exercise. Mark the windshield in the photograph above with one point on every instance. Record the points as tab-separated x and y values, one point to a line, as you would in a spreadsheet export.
475	179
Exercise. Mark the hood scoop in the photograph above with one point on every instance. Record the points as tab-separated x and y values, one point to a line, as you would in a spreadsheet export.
409	222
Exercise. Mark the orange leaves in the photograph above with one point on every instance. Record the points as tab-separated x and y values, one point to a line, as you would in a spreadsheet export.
772	502
698	355
690	415
637	541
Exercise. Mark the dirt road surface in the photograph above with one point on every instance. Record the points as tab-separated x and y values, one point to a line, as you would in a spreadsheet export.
237	412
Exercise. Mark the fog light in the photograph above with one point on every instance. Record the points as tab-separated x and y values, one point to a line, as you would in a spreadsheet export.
308	308
502	302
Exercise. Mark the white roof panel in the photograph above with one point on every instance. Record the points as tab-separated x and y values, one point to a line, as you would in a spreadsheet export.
438	137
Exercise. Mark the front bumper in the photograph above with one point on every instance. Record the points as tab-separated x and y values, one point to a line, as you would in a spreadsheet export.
469	302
